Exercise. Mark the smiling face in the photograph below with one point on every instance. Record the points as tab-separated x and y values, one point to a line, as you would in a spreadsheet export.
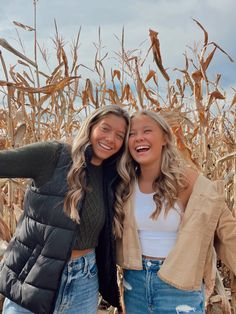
146	140
107	137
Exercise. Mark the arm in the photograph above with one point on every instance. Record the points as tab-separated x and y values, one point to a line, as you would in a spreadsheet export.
35	161
225	241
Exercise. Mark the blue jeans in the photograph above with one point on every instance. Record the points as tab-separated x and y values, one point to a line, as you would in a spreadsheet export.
145	292
78	292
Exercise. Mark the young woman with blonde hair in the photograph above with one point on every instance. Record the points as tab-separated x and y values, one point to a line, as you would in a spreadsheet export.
174	220
63	251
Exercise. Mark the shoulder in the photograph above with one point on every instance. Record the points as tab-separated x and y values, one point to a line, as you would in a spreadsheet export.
191	176
210	188
201	186
41	147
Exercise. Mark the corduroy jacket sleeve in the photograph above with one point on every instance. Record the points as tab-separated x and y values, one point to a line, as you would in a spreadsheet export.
225	240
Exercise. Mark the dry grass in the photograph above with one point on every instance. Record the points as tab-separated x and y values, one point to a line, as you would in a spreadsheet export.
39	106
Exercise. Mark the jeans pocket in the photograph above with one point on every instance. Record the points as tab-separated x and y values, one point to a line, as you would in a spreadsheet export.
93	270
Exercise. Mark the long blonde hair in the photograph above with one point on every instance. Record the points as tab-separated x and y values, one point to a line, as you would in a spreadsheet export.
172	178
76	177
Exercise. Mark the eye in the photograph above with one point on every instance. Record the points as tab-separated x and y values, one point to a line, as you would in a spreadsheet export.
104	128
147	131
120	137
131	134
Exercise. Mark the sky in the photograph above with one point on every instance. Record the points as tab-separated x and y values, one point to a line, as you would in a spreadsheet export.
172	19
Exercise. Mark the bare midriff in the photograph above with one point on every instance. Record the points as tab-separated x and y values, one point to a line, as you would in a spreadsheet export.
154	258
78	253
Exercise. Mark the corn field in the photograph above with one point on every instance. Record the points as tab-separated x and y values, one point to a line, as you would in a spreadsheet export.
37	106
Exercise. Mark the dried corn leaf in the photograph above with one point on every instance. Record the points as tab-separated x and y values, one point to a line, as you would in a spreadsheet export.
4	231
233	101
10	128
151	75
26	27
198	94
8	47
213	96
22	80
126	93
19	135
201	114
180	87
112	96
84	98
139	83
17	211
48	89
183	148
197	76
65	61
31	97
189	81
173	100
157	53
3	66
205	32
208	60
42	100
54	76
3	143
13	74
222	50
28	78
74	52
89	90
116	73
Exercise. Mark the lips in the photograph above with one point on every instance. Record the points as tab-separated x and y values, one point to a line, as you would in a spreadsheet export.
104	146
142	148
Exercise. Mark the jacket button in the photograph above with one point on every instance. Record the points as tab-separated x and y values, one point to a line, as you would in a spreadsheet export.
149	264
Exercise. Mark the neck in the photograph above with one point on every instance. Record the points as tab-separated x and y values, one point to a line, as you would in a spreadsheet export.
147	177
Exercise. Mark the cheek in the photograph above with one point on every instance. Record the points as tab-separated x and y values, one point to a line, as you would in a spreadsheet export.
119	144
92	135
130	143
132	151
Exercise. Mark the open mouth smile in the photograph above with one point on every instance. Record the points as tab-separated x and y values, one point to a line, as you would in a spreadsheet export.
142	148
104	146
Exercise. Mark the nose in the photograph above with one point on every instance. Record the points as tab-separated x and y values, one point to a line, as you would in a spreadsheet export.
110	138
139	137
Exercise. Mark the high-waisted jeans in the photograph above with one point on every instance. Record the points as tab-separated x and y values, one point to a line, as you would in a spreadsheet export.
145	292
78	292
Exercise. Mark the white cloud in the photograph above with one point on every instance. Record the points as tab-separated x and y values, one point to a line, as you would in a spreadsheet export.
171	18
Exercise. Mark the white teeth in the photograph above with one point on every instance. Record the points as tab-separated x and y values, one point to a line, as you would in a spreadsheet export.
104	146
141	147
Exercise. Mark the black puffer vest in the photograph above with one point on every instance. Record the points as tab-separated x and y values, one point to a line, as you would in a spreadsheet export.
31	270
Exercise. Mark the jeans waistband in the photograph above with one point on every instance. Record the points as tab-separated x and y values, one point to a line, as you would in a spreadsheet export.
150	264
88	259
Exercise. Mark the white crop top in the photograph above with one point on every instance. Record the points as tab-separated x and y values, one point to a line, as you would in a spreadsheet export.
157	237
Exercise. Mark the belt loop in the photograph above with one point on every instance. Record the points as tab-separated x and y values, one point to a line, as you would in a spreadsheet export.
85	265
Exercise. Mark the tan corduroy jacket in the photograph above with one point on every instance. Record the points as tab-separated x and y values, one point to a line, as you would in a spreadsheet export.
207	227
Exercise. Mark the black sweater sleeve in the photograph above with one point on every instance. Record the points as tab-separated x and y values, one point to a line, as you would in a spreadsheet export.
36	161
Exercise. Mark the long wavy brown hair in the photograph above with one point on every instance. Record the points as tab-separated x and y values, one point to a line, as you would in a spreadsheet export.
76	177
